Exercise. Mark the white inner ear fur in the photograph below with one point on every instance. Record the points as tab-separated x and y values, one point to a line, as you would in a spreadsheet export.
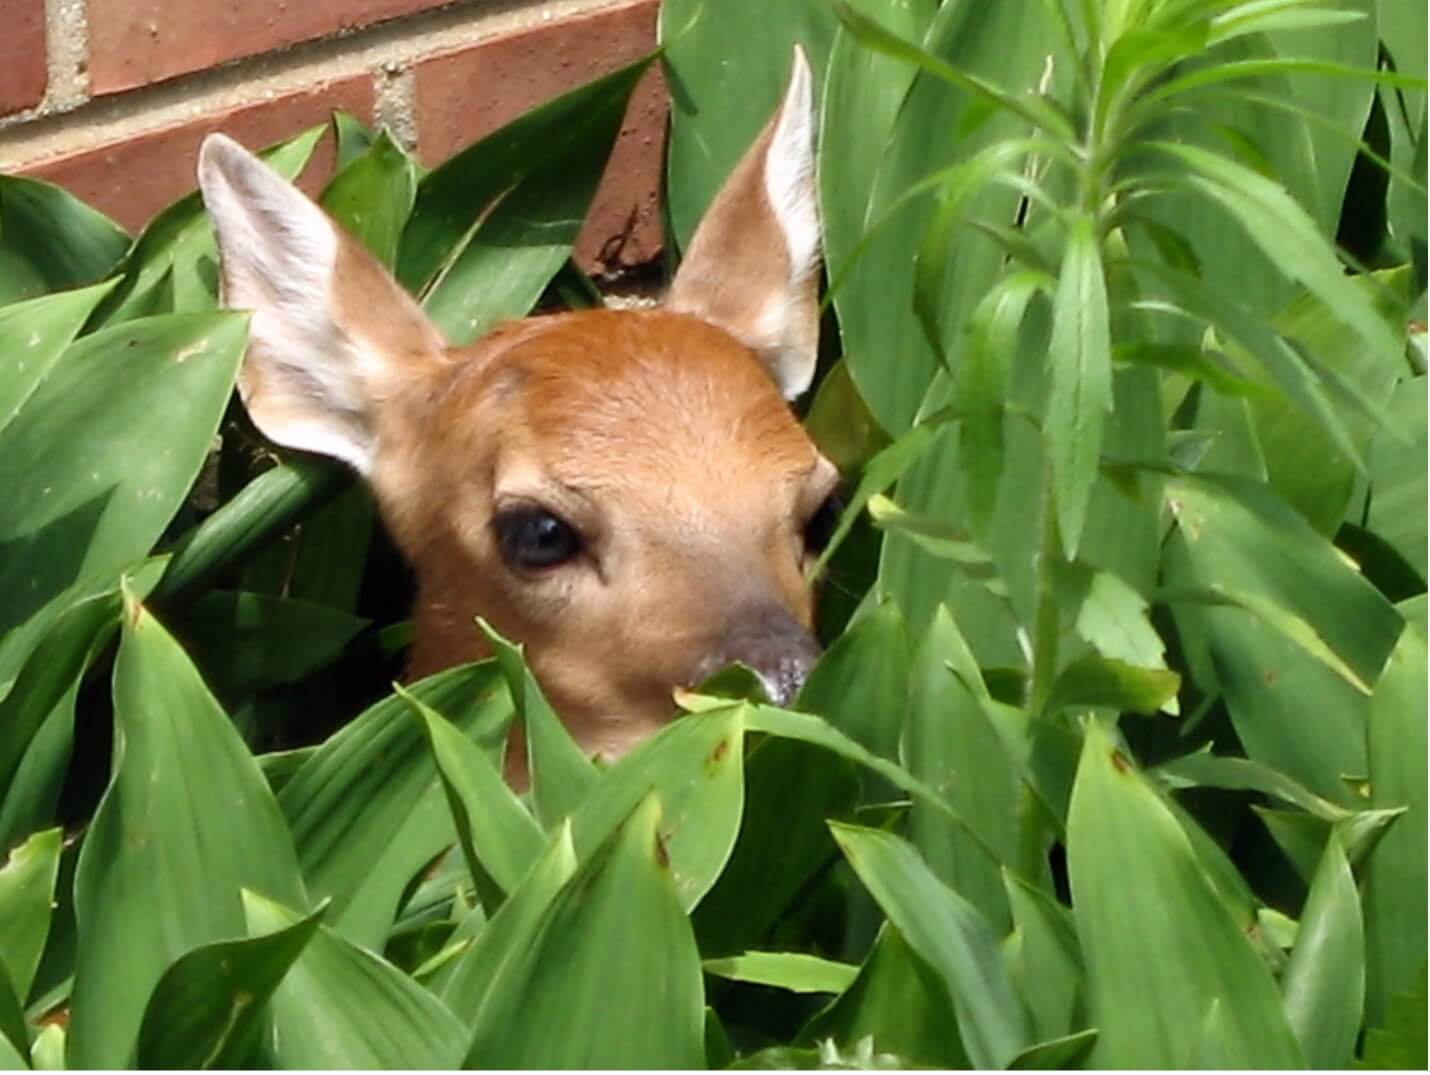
789	173
279	252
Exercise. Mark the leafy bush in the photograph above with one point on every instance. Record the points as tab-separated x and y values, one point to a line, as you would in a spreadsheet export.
1117	755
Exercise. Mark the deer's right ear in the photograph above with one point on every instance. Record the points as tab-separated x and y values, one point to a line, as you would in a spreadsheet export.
333	336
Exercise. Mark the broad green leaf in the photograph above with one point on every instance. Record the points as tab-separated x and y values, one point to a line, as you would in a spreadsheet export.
1324	982
727	63
372	196
498	835
167	854
1246	546
1395	876
249	642
177	251
794	971
340	1006
27	889
950	934
1137	888
33	335
696	766
1056	1054
1399	1042
51	241
613	951
577	127
1080	363
209	1007
860	684
14	1038
367	810
506	938
1044	960
840	423
949	744
83	501
899	1003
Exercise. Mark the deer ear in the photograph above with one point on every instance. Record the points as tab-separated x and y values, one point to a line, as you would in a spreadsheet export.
753	265
333	336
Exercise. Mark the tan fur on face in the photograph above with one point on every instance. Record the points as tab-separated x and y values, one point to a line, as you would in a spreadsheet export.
665	442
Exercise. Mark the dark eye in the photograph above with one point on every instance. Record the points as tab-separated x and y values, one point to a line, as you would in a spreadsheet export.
532	539
822	523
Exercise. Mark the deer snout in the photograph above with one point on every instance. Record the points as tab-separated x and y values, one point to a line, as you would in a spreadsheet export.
772	644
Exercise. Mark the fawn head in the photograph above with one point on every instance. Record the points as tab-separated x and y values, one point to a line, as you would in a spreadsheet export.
625	492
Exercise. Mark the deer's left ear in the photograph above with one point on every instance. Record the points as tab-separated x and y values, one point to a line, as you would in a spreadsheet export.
753	265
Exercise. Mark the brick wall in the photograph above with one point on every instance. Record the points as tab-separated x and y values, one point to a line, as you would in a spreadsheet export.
111	98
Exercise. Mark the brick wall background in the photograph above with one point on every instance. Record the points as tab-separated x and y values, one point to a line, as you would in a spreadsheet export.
111	98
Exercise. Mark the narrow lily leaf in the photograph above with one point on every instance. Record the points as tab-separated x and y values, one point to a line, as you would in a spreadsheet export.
27	889
1395	876
1047	967
1324	982
1206	770
950	934
614	951
1137	887
497	834
340	1006
209	1007
561	776
372	196
156	878
1058	1054
793	971
1104	681
1080	364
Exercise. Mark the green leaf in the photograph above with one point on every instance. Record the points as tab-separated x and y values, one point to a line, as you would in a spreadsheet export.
1056	1054
372	196
1400	1041
613	951
51	241
1138	888
950	934
1112	618
14	1038
695	765
167	854
1105	681
367	810
561	776
1247	547
1324	982
1398	486
249	642
27	889
340	1006
99	459
1395	876
33	335
793	971
1044	959
209	1007
1080	364
498	836
1206	770
949	743
898	1003
577	127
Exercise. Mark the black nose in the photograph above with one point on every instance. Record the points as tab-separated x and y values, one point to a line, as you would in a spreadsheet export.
772	643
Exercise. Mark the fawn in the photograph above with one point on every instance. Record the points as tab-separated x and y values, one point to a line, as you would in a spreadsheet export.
626	492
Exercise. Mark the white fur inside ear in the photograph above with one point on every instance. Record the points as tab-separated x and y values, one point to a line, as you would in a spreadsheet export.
279	251
789	172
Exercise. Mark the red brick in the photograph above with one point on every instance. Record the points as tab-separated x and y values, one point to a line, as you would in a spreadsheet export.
466	94
138	42
22	54
133	179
